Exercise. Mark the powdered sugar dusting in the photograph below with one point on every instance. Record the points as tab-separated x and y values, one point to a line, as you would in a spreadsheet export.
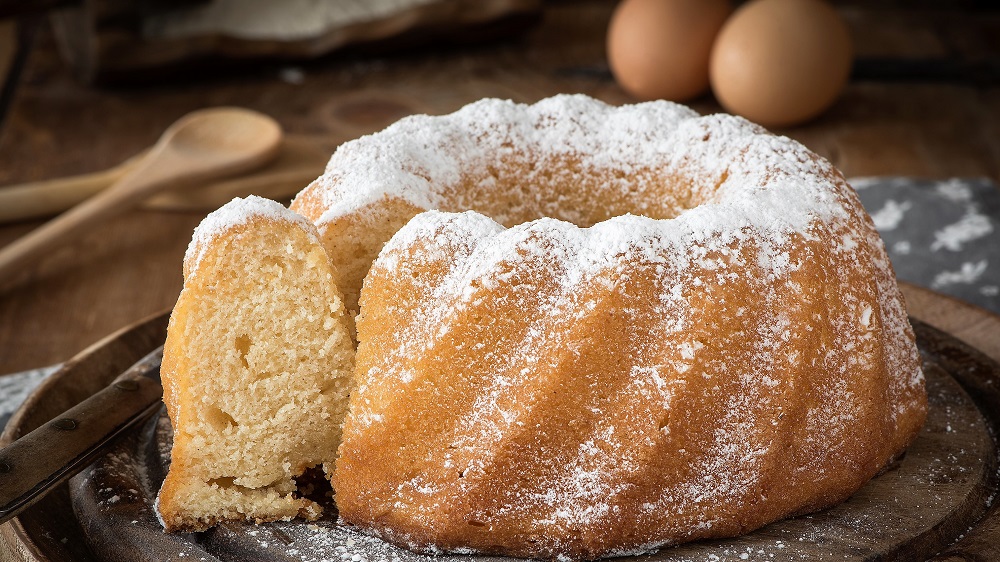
585	487
419	157
747	280
237	212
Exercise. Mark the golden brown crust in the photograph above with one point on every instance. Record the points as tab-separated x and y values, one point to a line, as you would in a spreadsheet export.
745	364
411	470
551	391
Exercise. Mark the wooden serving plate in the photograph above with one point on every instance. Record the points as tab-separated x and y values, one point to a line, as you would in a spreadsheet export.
937	503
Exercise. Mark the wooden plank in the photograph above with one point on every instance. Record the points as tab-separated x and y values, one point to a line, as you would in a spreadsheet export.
125	270
8	48
971	324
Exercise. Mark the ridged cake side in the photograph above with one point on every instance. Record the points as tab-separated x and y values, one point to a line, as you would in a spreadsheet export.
554	391
740	355
256	369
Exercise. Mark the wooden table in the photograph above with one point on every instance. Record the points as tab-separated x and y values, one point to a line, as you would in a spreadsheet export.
130	267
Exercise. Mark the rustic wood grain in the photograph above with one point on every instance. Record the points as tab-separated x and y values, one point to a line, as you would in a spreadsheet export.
971	324
8	47
26	539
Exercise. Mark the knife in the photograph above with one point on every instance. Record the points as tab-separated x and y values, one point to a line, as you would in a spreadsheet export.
48	456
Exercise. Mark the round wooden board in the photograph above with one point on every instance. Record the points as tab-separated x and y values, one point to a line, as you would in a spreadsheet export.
934	504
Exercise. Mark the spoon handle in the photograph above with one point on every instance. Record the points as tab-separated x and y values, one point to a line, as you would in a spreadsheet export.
124	194
54	452
205	144
50	197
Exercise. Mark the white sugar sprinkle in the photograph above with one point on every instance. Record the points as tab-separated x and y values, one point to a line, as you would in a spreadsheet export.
237	212
756	200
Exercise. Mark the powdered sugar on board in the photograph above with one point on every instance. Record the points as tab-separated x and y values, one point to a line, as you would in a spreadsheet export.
928	487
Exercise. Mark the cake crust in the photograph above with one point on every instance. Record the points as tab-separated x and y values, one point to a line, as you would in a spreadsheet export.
595	385
652	327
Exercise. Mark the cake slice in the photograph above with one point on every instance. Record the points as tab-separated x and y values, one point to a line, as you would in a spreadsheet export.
256	371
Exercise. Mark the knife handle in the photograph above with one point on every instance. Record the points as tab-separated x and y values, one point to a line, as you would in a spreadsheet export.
55	451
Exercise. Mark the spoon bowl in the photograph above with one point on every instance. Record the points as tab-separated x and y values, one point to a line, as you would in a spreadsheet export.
205	144
223	132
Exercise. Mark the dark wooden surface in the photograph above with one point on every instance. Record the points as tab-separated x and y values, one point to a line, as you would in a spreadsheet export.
130	267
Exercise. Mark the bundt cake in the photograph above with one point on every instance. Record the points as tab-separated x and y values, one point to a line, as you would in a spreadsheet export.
591	384
256	369
569	157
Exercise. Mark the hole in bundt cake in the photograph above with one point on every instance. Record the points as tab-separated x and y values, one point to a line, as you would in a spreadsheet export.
243	348
331	386
263	375
218	418
229	483
312	484
273	262
226	482
476	523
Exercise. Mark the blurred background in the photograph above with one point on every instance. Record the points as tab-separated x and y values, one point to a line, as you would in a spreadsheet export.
902	96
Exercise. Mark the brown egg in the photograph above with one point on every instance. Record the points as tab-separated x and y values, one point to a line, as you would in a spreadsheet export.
660	48
781	62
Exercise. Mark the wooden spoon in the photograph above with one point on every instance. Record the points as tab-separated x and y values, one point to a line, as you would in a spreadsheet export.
300	160
202	145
